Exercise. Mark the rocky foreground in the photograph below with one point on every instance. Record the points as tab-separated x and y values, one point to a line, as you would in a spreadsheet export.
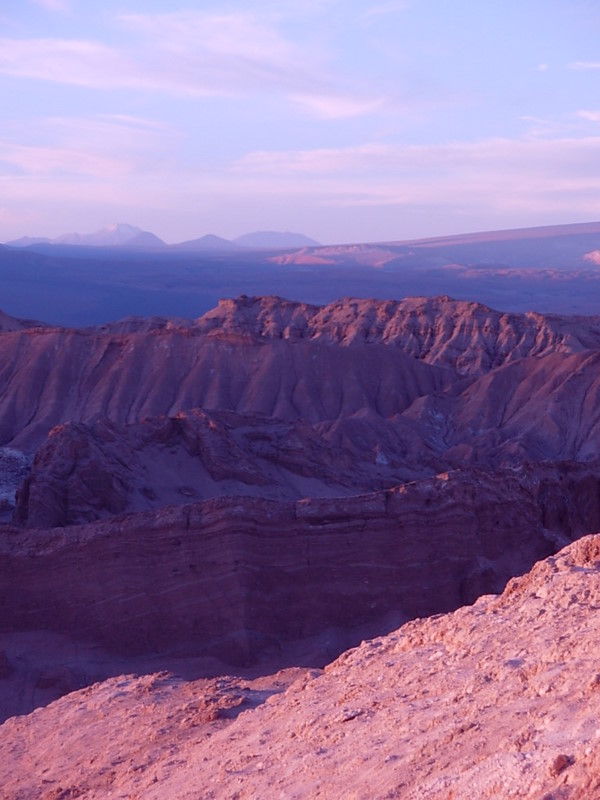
500	699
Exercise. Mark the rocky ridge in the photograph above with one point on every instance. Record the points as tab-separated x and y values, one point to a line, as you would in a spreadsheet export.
52	376
87	472
468	337
411	715
377	418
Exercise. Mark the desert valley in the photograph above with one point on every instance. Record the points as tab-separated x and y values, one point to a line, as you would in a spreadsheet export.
303	548
299	400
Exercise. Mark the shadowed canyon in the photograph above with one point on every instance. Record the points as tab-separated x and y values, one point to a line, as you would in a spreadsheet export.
253	492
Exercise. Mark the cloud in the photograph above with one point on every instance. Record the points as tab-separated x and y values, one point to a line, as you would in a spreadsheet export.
51	5
100	146
223	54
338	106
75	62
235	49
494	175
583	65
383	9
454	157
98	66
590	116
90	168
36	160
320	161
463	185
236	53
192	54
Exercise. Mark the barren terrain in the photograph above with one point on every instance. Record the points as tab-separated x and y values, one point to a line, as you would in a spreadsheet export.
465	705
253	492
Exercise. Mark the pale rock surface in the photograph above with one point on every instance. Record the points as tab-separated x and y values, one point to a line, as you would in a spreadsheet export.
363	254
497	700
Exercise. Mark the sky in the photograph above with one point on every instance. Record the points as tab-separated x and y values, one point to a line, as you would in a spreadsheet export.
345	120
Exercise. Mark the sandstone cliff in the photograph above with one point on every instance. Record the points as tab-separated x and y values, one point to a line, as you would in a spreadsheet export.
466	336
231	577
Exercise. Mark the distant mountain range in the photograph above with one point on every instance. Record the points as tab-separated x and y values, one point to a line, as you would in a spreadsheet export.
123	235
265	240
552	269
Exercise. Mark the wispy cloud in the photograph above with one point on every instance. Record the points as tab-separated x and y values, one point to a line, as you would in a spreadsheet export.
240	52
584	65
36	160
383	9
235	50
174	68
590	116
338	106
51	5
494	174
322	161
75	62
502	181
193	54
98	146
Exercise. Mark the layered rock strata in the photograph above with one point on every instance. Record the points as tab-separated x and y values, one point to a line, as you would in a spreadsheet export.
231	577
500	699
87	472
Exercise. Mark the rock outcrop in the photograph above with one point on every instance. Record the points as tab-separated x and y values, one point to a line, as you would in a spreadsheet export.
88	472
230	487
500	699
231	577
48	377
468	337
533	409
267	356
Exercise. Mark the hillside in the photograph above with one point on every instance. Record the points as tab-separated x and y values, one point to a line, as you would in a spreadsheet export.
463	705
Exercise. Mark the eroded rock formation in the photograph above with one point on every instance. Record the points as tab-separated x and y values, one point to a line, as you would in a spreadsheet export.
230	577
500	699
268	356
226	487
